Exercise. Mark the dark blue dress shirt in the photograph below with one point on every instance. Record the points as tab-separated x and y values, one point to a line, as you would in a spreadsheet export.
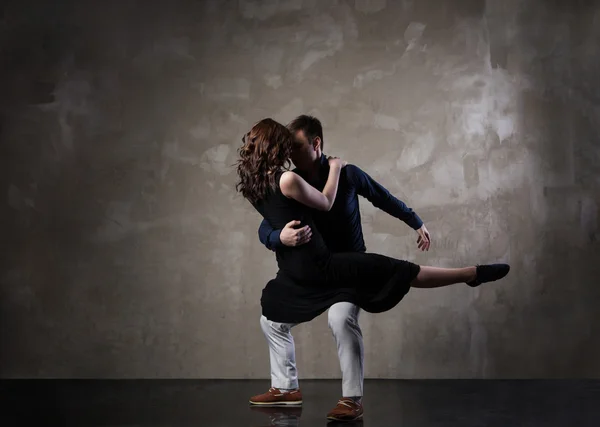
341	227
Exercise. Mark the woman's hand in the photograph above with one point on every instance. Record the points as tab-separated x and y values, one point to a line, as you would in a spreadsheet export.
336	161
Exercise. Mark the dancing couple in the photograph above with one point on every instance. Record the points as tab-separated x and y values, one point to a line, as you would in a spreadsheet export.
311	220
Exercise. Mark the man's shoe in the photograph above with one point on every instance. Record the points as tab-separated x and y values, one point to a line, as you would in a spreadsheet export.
346	410
275	397
489	273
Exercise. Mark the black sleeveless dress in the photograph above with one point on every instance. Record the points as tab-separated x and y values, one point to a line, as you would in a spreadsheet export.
311	278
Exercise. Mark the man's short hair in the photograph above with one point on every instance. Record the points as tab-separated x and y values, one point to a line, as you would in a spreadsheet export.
311	126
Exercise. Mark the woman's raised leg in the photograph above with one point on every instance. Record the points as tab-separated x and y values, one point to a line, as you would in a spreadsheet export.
436	277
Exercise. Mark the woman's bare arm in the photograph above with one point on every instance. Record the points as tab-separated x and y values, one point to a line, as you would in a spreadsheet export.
295	187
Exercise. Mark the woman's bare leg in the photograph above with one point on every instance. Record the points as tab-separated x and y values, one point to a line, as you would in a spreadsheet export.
436	277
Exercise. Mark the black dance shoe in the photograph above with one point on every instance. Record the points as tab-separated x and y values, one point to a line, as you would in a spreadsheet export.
489	273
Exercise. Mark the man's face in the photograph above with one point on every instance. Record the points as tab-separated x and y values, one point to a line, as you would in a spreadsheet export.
304	153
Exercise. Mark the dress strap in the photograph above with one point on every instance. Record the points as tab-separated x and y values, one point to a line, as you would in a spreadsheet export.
278	175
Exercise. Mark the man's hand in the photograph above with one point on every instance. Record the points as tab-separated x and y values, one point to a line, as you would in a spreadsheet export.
291	236
424	240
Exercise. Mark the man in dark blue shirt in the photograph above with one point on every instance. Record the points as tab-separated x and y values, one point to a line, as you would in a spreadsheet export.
342	231
341	227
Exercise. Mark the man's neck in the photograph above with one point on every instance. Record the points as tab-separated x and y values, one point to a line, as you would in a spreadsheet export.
313	170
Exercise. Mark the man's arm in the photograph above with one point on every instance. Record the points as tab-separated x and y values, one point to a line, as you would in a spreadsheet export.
381	197
268	236
287	236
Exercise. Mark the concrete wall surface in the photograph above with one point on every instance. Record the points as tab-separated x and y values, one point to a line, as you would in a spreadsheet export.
126	252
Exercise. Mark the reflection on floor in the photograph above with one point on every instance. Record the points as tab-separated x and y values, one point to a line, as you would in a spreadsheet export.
285	416
214	403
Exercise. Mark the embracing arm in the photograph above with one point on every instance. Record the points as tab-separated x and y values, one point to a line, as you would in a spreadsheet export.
293	186
381	197
289	235
268	236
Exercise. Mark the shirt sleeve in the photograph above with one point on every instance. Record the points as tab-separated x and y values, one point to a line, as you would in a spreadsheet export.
381	197
268	236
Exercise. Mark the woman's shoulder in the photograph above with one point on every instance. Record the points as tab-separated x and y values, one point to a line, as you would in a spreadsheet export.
288	177
287	181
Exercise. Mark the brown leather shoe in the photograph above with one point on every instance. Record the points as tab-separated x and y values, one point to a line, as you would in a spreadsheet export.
275	397
346	410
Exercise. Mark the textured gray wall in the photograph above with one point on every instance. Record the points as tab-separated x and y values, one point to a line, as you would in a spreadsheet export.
127	253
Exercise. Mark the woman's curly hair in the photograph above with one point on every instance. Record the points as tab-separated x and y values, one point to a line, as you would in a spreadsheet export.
267	148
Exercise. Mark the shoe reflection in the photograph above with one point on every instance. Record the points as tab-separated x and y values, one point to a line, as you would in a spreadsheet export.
281	416
355	423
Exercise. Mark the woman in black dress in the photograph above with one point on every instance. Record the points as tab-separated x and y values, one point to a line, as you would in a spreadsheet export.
310	277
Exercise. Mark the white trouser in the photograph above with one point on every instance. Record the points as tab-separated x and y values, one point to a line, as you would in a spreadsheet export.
343	322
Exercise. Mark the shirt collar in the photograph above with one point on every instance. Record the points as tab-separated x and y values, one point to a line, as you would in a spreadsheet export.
324	161
323	166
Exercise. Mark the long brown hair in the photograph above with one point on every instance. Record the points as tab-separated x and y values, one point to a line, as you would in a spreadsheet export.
267	149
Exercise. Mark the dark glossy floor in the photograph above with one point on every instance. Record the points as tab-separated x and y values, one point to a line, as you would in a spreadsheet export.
224	403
